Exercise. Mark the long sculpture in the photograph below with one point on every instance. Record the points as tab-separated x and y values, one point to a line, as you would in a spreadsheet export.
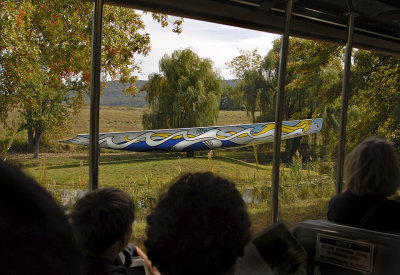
200	138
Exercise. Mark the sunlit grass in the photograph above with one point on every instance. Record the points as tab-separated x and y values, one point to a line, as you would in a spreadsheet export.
304	190
305	185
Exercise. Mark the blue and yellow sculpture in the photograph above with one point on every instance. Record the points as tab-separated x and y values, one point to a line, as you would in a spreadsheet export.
200	138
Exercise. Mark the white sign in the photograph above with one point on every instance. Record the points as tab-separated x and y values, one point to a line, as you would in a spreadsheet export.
356	255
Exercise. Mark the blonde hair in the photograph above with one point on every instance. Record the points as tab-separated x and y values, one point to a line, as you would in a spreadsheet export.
372	168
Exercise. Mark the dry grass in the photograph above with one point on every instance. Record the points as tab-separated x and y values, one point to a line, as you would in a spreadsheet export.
119	119
112	119
232	117
289	214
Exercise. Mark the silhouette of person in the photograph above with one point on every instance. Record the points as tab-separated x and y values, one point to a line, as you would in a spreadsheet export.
200	226
371	175
102	223
35	236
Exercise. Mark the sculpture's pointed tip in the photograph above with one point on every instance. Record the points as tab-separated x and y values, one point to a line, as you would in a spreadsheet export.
78	140
319	122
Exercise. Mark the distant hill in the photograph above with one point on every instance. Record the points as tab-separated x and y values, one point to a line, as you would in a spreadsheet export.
113	95
231	82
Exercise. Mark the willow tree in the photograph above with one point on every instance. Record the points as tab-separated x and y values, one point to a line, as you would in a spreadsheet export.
186	92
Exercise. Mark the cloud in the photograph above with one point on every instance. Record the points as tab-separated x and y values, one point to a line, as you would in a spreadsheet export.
220	43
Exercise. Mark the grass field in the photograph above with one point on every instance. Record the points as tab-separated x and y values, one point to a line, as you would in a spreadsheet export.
304	192
130	119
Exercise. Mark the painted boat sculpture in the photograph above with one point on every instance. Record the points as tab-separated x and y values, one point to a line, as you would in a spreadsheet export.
200	138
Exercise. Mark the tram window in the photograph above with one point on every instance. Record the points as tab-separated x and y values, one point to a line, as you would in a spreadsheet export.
313	90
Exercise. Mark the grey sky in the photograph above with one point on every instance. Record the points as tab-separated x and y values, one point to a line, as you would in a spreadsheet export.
220	43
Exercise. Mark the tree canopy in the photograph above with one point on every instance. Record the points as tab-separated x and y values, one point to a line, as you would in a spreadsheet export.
45	57
376	97
313	75
245	61
186	93
313	89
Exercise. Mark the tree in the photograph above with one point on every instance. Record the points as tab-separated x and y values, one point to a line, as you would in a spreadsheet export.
253	86
313	75
45	52
376	96
186	93
47	104
245	61
231	99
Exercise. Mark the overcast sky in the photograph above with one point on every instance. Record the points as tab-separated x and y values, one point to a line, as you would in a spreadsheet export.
220	43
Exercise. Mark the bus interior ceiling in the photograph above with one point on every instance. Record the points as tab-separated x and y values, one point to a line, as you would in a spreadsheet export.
376	27
365	24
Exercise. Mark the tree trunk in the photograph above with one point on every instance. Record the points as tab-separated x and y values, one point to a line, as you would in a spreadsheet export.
30	139
292	145
36	144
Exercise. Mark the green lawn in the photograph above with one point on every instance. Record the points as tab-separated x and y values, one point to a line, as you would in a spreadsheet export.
303	193
305	188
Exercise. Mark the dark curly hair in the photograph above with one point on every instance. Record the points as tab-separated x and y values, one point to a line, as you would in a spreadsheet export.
200	226
101	218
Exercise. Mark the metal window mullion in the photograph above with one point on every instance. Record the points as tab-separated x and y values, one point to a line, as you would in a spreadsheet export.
346	91
280	98
95	95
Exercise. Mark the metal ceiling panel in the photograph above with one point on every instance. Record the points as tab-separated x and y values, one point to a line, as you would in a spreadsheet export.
377	25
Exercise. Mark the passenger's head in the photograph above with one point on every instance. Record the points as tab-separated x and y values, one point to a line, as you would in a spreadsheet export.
200	226
35	236
102	220
372	168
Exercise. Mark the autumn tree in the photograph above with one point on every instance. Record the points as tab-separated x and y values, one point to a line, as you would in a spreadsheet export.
252	87
185	94
245	61
47	104
45	57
